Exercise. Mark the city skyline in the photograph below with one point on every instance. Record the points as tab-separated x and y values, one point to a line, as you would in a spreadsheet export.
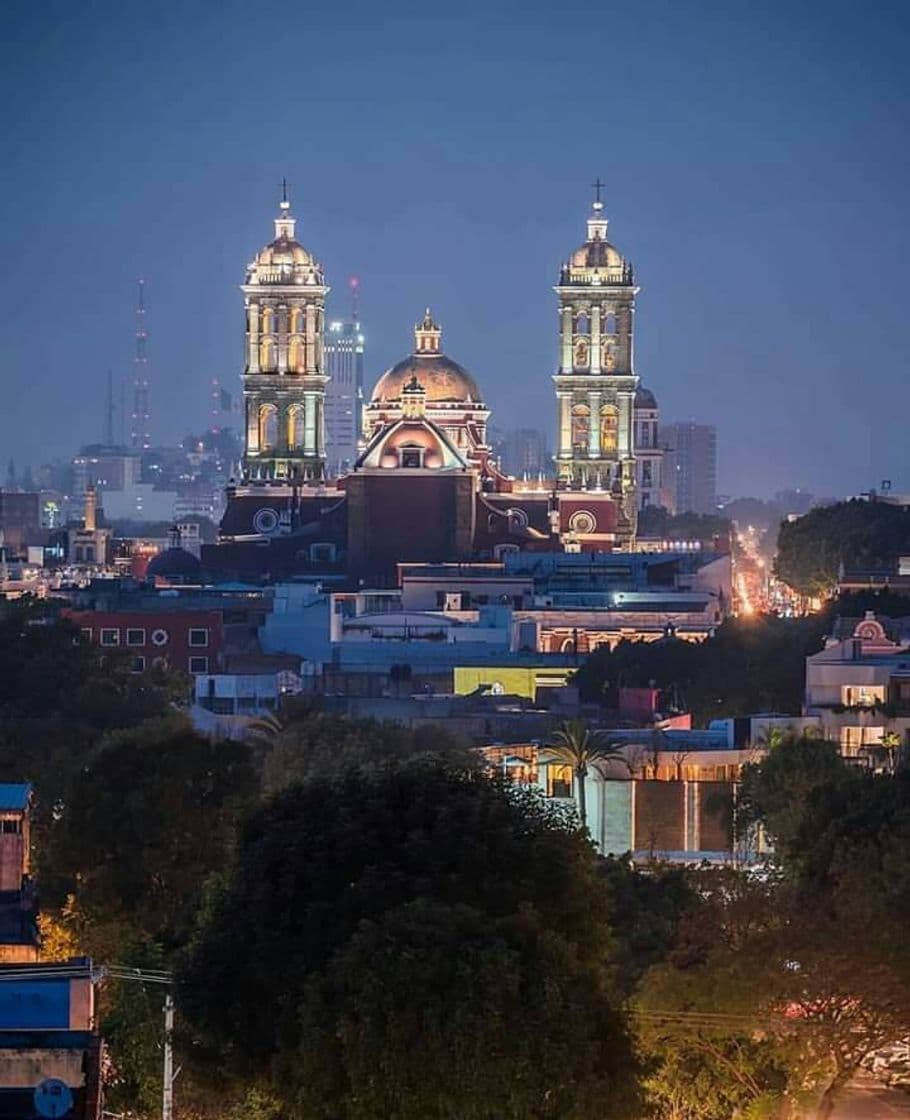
755	209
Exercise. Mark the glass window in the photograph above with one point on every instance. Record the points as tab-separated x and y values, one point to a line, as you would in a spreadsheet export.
110	636
199	637
559	781
135	637
138	663
199	664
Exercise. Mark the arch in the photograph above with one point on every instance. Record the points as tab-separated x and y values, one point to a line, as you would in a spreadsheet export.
268	354
297	325
268	427
581	352
609	429
582	323
296	359
609	324
581	426
295	427
268	320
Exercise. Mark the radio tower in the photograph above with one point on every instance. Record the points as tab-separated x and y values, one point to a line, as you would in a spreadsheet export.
140	437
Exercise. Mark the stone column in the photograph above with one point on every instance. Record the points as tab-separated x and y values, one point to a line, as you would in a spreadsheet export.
594	426
624	435
565	423
252	425
567	359
281	328
311	356
252	330
309	423
595	338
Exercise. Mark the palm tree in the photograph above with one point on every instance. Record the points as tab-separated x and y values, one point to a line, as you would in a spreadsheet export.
580	748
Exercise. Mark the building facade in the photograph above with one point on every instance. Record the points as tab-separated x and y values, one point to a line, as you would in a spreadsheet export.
344	361
649	455
284	377
596	382
690	463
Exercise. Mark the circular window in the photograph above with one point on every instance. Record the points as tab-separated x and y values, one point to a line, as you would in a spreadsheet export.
582	522
159	637
265	520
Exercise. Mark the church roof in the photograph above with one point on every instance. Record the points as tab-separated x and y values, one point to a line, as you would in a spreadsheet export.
441	378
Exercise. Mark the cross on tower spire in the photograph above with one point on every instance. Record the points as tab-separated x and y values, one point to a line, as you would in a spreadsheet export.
598	187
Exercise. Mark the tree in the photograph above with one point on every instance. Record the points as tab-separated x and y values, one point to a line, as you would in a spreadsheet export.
416	941
581	749
855	534
150	816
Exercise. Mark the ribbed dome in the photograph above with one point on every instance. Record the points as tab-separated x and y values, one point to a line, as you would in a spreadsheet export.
284	251
644	398
174	563
439	377
284	260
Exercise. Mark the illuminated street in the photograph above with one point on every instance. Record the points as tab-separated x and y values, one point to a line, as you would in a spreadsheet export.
868	1099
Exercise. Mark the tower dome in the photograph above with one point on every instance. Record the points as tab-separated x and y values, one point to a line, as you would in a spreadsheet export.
284	260
443	380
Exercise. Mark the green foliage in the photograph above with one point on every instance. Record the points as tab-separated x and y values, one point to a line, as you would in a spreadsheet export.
150	815
309	744
415	941
750	665
655	521
855	534
583	750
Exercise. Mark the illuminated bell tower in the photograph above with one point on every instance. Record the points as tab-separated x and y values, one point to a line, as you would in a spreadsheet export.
595	385
284	380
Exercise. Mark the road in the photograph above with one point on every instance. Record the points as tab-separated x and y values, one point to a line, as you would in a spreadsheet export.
867	1099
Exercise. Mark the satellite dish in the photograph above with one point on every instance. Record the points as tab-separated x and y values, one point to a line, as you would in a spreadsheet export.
53	1098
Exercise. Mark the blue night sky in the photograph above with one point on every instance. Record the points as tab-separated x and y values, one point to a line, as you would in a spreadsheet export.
757	166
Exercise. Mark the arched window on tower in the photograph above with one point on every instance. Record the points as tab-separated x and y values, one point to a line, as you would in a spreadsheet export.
609	325
295	427
609	427
268	355
582	323
296	362
581	427
268	427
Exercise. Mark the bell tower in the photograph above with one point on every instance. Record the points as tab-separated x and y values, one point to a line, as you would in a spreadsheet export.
284	380
595	383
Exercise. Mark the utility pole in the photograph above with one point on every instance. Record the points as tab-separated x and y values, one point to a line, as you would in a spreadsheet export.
167	1090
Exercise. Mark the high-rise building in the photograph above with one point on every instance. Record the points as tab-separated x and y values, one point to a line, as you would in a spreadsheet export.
284	377
523	453
595	384
649	454
690	466
344	391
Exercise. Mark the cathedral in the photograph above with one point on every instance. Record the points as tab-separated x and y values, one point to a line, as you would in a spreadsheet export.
426	486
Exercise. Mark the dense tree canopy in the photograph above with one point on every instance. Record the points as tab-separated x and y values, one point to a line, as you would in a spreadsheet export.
419	942
750	665
855	534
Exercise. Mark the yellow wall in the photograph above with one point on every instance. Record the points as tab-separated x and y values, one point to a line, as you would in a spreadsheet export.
515	681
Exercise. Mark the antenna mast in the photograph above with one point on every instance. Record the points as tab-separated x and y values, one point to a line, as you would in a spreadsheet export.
140	437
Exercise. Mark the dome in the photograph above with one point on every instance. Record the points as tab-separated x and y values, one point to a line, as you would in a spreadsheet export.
283	250
174	563
441	379
644	398
284	260
596	254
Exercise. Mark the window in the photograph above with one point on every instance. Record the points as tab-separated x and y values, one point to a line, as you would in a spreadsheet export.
199	664
646	473
110	636
862	695
138	663
14	826
411	457
559	781
86	633
135	637
199	637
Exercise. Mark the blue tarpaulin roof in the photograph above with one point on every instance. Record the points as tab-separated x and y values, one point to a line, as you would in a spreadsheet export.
14	795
